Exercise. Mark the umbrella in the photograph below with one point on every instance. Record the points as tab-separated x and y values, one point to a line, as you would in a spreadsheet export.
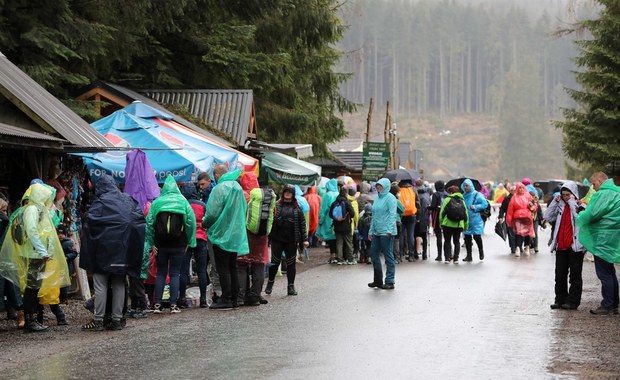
500	229
398	175
459	181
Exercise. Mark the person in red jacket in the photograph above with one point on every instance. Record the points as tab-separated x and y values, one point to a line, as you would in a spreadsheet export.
314	200
520	217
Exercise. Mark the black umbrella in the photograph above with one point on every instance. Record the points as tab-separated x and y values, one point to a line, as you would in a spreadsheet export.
398	175
459	181
500	229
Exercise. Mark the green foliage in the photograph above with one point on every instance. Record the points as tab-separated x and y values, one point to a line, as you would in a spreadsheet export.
282	49
591	133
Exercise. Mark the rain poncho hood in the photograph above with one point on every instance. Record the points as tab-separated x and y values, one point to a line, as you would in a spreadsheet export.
301	201
248	182
41	241
170	200
324	230
225	215
384	211
140	181
600	223
475	222
113	232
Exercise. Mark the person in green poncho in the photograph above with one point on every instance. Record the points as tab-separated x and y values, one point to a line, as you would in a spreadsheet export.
225	223
170	229
600	228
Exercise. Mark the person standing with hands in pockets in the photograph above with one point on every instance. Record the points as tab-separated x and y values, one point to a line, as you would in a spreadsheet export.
381	234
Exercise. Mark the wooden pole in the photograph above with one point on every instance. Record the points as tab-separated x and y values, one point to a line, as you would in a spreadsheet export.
386	130
369	119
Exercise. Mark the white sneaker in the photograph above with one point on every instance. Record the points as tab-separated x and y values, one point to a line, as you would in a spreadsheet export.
517	252
527	250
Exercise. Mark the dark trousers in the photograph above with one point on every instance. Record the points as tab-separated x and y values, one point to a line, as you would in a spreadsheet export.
522	240
568	265
168	260
251	280
290	251
512	240
201	257
438	235
469	245
452	236
226	266
137	294
33	284
606	272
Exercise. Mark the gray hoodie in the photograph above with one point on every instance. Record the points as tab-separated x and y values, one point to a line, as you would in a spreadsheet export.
554	212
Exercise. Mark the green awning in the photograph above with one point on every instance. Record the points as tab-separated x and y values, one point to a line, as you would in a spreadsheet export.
278	167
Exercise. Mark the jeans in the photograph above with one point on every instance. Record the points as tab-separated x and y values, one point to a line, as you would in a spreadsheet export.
226	264
201	256
383	244
168	259
568	263
407	232
606	272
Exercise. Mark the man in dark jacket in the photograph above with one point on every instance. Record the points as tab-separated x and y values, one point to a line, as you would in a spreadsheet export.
342	228
112	245
436	201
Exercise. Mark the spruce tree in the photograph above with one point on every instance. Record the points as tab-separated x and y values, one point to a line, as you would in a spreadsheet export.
592	130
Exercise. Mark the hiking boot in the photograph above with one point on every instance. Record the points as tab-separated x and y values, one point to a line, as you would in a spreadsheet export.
438	258
602	311
424	256
32	325
93	326
387	286
262	300
269	287
569	306
378	280
11	314
221	306
467	258
481	256
291	290
555	306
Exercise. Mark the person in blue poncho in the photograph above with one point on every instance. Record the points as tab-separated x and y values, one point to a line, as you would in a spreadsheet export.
381	234
475	203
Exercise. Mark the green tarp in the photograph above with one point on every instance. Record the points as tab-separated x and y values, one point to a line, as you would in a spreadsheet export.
278	167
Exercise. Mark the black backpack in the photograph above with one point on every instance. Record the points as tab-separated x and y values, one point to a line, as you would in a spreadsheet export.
455	209
486	213
170	230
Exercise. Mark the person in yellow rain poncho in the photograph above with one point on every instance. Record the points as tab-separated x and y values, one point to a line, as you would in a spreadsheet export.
31	255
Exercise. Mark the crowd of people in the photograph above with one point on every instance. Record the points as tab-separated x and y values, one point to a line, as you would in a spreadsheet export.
139	244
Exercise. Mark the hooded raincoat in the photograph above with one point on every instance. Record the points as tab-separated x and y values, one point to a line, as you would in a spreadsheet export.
325	231
170	200
258	245
112	235
225	215
519	215
365	196
384	211
314	201
41	241
190	192
600	223
476	224
554	213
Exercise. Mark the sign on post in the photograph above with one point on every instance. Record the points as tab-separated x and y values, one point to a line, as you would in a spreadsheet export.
375	160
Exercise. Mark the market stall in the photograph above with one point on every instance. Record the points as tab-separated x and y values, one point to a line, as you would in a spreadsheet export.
280	168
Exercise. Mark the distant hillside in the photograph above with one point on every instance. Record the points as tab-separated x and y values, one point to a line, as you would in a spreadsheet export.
465	144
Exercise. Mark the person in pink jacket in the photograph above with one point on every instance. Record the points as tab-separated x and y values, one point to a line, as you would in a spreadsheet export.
520	217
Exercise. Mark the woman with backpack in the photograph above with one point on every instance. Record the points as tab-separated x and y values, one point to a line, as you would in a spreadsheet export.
287	232
475	203
454	219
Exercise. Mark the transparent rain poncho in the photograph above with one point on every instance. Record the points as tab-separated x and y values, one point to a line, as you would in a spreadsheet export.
225	215
41	240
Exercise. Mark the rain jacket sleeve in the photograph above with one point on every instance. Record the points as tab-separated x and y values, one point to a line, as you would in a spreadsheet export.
600	223
324	230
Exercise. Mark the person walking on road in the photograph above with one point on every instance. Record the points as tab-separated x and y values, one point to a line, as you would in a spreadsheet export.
324	230
170	230
475	203
435	207
569	252
599	230
520	217
225	223
287	233
381	234
454	219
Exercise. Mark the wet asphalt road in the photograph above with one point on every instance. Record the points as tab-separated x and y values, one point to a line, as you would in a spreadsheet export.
486	320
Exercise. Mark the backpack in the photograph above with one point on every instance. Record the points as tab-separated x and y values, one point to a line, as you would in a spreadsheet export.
18	231
365	221
259	217
339	210
455	209
407	198
170	229
486	213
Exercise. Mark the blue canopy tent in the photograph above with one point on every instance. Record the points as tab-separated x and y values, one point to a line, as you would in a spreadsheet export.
168	151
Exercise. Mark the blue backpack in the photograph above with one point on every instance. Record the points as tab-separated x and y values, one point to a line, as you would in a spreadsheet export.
339	211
